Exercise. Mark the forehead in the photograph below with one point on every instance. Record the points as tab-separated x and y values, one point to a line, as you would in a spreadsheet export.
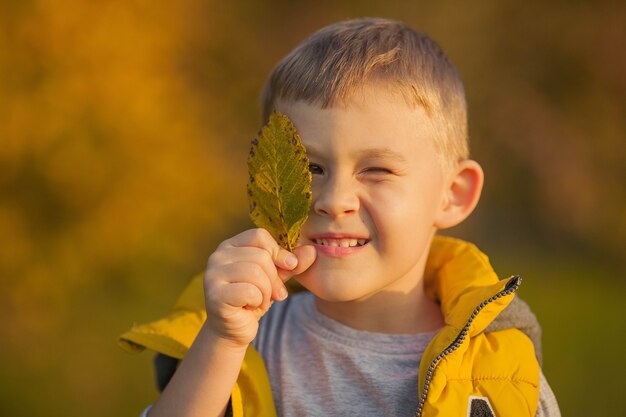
372	122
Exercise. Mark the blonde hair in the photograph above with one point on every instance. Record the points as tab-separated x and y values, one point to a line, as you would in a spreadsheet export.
336	61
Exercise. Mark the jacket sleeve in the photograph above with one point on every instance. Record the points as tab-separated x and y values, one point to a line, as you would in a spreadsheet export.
548	406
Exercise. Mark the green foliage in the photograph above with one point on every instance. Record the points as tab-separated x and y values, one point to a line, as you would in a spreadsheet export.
279	184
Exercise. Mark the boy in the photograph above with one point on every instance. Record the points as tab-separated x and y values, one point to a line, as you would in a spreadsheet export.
396	321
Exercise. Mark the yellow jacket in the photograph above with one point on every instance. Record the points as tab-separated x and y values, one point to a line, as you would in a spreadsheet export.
466	368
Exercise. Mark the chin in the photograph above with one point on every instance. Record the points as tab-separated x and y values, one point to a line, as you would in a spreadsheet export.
337	282
333	296
335	292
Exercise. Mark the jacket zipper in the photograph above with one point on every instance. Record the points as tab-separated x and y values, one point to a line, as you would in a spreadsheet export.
510	287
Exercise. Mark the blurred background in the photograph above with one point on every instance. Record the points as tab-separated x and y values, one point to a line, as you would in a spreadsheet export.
124	129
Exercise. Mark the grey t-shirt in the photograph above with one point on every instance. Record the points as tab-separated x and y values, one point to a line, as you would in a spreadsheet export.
319	366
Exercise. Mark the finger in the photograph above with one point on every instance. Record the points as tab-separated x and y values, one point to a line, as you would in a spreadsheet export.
251	273
247	254
263	259
281	258
306	255
291	264
261	238
242	294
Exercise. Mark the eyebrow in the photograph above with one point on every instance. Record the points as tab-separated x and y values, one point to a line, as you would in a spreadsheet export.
371	153
381	153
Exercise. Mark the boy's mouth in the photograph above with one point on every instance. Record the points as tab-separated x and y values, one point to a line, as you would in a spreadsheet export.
344	243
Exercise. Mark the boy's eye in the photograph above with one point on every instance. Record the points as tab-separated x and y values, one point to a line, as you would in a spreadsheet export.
316	169
377	170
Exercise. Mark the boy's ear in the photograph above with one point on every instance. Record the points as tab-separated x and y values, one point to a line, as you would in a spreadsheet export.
461	194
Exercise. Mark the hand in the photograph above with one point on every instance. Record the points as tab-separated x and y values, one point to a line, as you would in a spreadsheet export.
243	278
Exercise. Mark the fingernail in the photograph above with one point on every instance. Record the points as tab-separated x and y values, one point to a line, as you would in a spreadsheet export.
282	293
291	261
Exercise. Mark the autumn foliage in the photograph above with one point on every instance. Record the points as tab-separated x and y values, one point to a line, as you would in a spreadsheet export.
124	132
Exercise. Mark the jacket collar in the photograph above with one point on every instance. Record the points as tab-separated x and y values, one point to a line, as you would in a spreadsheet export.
459	277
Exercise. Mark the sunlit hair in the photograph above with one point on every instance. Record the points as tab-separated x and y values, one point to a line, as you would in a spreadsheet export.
338	60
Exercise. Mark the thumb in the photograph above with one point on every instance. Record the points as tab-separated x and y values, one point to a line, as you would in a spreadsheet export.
306	255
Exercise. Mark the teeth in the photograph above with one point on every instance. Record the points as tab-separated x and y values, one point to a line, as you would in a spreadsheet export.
344	243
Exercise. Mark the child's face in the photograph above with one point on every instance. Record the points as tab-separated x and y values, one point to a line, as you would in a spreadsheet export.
377	184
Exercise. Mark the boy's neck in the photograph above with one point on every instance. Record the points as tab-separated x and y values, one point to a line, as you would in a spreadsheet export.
388	312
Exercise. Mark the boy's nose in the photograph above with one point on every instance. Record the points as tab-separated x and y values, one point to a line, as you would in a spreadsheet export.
335	198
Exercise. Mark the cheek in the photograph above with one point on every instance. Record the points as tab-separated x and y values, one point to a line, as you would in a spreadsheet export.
304	228
402	215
